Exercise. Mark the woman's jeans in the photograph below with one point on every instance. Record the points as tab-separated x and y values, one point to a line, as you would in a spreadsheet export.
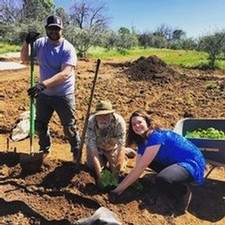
64	106
172	180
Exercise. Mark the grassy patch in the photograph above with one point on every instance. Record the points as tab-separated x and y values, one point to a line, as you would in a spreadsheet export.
211	85
188	59
5	48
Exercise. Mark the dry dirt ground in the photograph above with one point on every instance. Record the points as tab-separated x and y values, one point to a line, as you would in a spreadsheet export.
61	192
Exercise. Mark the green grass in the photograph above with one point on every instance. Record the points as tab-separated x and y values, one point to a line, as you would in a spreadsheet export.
184	58
5	48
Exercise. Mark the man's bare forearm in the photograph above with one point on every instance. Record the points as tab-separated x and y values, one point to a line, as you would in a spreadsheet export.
24	54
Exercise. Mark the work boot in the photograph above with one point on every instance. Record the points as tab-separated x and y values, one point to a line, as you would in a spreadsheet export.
75	148
182	203
45	151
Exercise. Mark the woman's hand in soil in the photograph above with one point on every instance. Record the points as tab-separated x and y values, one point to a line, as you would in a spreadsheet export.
117	191
113	197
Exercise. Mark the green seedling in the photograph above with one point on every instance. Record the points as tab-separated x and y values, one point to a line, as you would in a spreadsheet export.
211	85
108	180
210	133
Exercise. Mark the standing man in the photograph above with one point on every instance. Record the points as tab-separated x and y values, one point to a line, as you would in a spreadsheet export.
55	90
105	140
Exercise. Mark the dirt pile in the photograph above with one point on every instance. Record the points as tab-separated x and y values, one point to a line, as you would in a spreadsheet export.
150	68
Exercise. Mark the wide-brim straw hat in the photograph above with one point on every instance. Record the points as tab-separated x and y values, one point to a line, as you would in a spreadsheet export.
103	107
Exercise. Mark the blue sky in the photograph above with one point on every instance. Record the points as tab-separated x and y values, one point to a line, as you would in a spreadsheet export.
195	17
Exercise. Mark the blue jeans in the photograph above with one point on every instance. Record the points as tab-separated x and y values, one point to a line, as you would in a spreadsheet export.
64	106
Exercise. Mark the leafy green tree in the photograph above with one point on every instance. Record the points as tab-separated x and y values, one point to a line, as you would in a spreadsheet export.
82	39
126	39
153	40
177	35
223	47
37	9
213	45
159	41
188	44
164	31
143	40
109	39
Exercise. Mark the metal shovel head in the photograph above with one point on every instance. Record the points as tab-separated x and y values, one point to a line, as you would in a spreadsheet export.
31	163
9	158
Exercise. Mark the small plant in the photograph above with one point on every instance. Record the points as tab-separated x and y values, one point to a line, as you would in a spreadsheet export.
188	98
108	180
211	85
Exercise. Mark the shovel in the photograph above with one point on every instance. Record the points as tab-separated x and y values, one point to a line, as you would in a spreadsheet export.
31	162
88	112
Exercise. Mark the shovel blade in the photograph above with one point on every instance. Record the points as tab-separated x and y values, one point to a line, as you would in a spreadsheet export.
9	158
31	163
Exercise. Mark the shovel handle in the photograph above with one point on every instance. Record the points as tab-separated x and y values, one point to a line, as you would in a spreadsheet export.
32	106
88	110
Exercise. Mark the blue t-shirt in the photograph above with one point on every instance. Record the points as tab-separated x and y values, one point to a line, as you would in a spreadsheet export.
50	59
176	149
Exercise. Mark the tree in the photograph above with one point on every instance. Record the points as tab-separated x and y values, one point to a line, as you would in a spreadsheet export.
82	39
213	45
89	14
177	35
37	9
109	39
143	40
63	15
87	20
164	31
126	39
11	11
188	44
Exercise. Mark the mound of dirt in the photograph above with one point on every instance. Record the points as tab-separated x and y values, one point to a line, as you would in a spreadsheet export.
150	68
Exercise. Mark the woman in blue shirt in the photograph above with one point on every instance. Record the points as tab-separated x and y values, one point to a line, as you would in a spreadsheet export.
176	160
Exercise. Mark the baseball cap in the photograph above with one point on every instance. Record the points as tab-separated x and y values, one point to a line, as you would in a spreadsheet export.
53	21
103	107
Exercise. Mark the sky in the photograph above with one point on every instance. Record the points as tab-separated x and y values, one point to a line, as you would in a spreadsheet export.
195	17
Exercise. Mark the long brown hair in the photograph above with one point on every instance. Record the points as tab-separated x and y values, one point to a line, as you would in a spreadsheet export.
132	137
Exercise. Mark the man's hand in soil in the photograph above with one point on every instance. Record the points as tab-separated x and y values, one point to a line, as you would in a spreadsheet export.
99	184
32	37
36	90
